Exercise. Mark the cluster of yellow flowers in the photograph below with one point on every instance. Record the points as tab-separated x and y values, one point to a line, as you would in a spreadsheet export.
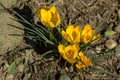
73	35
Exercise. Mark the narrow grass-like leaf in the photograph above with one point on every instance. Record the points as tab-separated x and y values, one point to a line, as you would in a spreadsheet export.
98	27
119	14
103	54
20	27
32	37
49	68
16	34
48	52
29	29
43	37
37	31
23	19
43	28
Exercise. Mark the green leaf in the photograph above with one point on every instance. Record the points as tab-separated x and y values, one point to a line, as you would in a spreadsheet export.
109	33
49	68
11	69
119	14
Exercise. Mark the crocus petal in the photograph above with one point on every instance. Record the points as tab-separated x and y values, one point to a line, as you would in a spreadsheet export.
58	20
80	65
77	36
69	32
65	36
69	29
88	27
69	54
61	49
51	24
84	59
96	38
76	47
77	29
85	39
53	9
45	15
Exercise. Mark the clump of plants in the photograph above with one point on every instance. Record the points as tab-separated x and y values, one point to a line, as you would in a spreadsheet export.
70	42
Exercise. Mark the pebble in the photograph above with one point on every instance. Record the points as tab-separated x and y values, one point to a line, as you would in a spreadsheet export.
98	49
90	51
111	25
64	77
9	77
117	28
110	44
21	67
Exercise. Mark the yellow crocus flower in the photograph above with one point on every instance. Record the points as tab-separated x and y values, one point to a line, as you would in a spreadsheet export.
87	34
49	16
72	34
69	52
83	61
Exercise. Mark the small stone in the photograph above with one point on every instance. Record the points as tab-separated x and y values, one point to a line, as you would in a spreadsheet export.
117	28
111	25
64	77
90	51
9	77
21	67
110	44
98	49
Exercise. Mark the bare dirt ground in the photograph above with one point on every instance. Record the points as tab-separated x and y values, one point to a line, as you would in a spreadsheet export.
78	12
